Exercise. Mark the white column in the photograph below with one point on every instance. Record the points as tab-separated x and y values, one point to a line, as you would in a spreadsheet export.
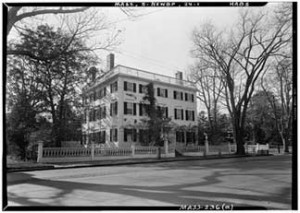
166	145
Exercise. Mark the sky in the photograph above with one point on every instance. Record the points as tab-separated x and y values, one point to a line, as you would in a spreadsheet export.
160	41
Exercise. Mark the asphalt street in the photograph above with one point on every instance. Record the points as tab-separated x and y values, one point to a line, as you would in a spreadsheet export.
252	181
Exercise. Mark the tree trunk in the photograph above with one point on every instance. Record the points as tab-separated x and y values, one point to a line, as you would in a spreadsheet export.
239	138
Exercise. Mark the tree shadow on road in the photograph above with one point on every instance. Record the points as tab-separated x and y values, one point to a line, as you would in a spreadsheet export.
170	195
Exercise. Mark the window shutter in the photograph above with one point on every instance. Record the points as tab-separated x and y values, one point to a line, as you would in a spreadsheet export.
167	113
104	136
158	91
116	135
134	109
116	107
192	97
111	109
134	135
166	93
125	85
186	115
125	135
140	109
186	96
104	112
111	88
175	113
193	115
140	88
110	135
174	94
182	118
134	87
181	95
125	108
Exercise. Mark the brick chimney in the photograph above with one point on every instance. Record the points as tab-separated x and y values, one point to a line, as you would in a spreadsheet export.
179	75
110	61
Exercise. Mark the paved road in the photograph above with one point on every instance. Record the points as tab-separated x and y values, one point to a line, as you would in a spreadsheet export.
259	181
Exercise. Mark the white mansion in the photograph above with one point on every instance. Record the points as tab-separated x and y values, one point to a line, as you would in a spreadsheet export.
114	110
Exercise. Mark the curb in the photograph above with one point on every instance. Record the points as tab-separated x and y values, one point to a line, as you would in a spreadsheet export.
120	163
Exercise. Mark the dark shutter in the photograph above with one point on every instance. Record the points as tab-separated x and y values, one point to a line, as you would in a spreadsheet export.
186	96
111	88
181	94
167	113
116	108
125	85
134	87
104	136
116	135
125	135
193	115
110	135
134	135
140	108
158	91
111	109
182	117
166	93
104	112
174	94
186	114
134	109
175	113
140	88
125	108
192	97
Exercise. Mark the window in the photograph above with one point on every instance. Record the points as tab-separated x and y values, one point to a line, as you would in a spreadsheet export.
130	135
162	92
102	136
143	109
114	87
143	88
180	136
92	115
114	109
113	135
163	111
103	112
178	95
129	108
131	87
189	115
190	137
189	97
178	114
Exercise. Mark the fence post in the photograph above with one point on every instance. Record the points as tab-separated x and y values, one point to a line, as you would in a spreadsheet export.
133	149
206	147
166	147
93	151
257	147
40	151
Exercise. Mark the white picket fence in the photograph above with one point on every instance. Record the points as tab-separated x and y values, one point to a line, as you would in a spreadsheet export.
68	154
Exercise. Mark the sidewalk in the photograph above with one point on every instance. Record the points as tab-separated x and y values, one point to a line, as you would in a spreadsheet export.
32	166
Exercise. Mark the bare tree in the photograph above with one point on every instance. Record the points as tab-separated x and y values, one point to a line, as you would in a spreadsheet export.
210	86
279	82
15	14
241	56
